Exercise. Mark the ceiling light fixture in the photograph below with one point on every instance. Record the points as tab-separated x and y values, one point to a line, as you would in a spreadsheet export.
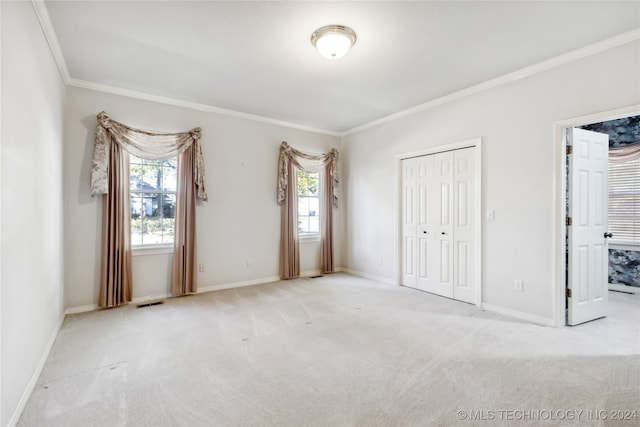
333	41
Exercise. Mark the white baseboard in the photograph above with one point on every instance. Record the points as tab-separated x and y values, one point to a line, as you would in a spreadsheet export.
81	309
370	276
544	321
13	421
231	285
261	281
237	284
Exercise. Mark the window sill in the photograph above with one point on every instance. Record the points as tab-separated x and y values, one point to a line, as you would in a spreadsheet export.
624	246
309	239
151	250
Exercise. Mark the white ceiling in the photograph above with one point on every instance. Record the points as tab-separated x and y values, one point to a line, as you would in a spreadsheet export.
256	57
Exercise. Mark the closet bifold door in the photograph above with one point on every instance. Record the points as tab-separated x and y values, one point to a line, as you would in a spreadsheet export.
464	231
438	228
427	239
409	222
438	205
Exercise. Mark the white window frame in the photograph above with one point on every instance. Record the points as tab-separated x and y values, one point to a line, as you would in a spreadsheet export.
310	237
150	248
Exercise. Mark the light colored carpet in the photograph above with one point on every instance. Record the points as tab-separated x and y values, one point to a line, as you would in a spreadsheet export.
335	351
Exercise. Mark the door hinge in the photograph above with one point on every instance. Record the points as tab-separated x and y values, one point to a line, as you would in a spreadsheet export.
568	221
569	149
568	293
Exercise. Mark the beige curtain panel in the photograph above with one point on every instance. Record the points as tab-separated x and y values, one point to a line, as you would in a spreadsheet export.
290	161
115	277
110	177
289	249
624	153
184	249
326	224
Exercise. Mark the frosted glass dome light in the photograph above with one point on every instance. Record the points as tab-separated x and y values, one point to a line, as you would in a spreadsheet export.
333	41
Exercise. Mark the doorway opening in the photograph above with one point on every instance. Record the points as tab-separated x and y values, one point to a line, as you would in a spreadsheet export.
577	199
624	201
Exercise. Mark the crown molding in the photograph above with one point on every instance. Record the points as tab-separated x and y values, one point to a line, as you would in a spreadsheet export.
52	39
540	67
47	28
50	34
193	105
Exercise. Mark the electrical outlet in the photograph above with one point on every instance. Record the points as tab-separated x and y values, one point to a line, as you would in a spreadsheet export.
518	286
249	263
380	261
491	214
201	268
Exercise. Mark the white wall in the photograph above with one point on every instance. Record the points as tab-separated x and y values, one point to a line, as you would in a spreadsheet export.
516	123
240	221
31	234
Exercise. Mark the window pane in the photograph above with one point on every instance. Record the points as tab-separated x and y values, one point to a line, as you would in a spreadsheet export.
313	184
168	205
153	200
314	206
147	205
169	230
308	203
303	224
148	177
303	206
136	231
136	205
152	214
314	224
170	178
153	231
135	168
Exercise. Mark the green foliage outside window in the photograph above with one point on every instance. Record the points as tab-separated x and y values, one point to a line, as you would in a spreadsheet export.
308	203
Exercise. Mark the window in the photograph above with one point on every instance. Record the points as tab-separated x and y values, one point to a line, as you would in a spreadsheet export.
624	201
153	200
308	204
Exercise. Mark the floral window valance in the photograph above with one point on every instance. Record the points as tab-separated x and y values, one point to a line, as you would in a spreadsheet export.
144	144
309	163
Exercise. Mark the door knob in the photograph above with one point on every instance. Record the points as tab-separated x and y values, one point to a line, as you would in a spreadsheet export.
608	235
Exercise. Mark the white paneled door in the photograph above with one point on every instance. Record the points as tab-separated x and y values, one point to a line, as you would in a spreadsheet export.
464	227
409	222
439	223
588	251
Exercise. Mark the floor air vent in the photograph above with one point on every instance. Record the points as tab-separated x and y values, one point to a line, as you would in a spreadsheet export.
315	277
149	304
